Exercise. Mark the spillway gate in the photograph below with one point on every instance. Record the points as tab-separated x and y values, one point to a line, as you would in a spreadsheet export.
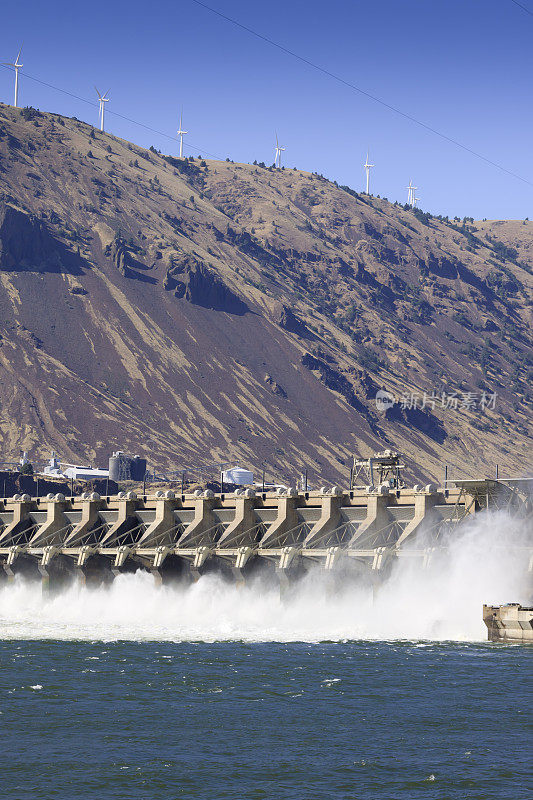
239	533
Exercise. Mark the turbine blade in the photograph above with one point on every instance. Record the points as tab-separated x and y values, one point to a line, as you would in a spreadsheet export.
20	51
98	93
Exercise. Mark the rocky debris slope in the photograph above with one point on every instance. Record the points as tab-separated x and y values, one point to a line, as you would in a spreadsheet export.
210	312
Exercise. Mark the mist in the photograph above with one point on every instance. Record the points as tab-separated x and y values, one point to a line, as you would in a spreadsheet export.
485	562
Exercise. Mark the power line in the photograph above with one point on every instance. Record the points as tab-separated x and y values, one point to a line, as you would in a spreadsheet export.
190	145
355	88
527	10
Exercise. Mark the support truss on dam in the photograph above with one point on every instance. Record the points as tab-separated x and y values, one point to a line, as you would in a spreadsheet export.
95	538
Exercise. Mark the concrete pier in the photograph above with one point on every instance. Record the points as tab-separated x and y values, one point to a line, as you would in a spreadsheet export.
181	537
509	623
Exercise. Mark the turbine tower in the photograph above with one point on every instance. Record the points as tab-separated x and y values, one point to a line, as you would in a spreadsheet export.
102	99
411	194
181	134
279	151
368	167
16	66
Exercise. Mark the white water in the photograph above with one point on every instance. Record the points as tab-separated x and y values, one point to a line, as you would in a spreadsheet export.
442	603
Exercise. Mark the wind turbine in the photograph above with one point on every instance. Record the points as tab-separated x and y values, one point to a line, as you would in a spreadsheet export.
102	99
181	134
368	167
411	196
16	66
279	151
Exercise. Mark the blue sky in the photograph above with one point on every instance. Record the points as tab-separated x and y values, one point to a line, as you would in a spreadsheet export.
461	67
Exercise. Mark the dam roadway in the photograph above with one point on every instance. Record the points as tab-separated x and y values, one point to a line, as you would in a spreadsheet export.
94	538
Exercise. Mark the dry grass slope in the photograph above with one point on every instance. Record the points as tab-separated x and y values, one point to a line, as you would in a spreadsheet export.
203	311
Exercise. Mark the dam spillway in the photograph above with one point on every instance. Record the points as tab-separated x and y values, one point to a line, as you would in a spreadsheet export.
94	538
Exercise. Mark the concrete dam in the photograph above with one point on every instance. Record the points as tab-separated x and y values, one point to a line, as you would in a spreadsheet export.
93	538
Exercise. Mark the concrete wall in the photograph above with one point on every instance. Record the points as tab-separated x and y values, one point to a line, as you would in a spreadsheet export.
236	533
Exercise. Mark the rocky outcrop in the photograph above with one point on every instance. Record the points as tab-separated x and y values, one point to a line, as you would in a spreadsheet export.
289	321
193	281
442	266
119	255
420	419
274	386
366	386
248	244
128	266
335	380
27	245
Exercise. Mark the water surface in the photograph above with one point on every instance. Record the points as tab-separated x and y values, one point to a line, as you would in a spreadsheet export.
294	721
334	692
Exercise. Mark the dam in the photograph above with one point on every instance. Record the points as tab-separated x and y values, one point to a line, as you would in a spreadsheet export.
92	538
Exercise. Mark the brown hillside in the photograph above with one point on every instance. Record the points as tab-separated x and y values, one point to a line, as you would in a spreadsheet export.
206	312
